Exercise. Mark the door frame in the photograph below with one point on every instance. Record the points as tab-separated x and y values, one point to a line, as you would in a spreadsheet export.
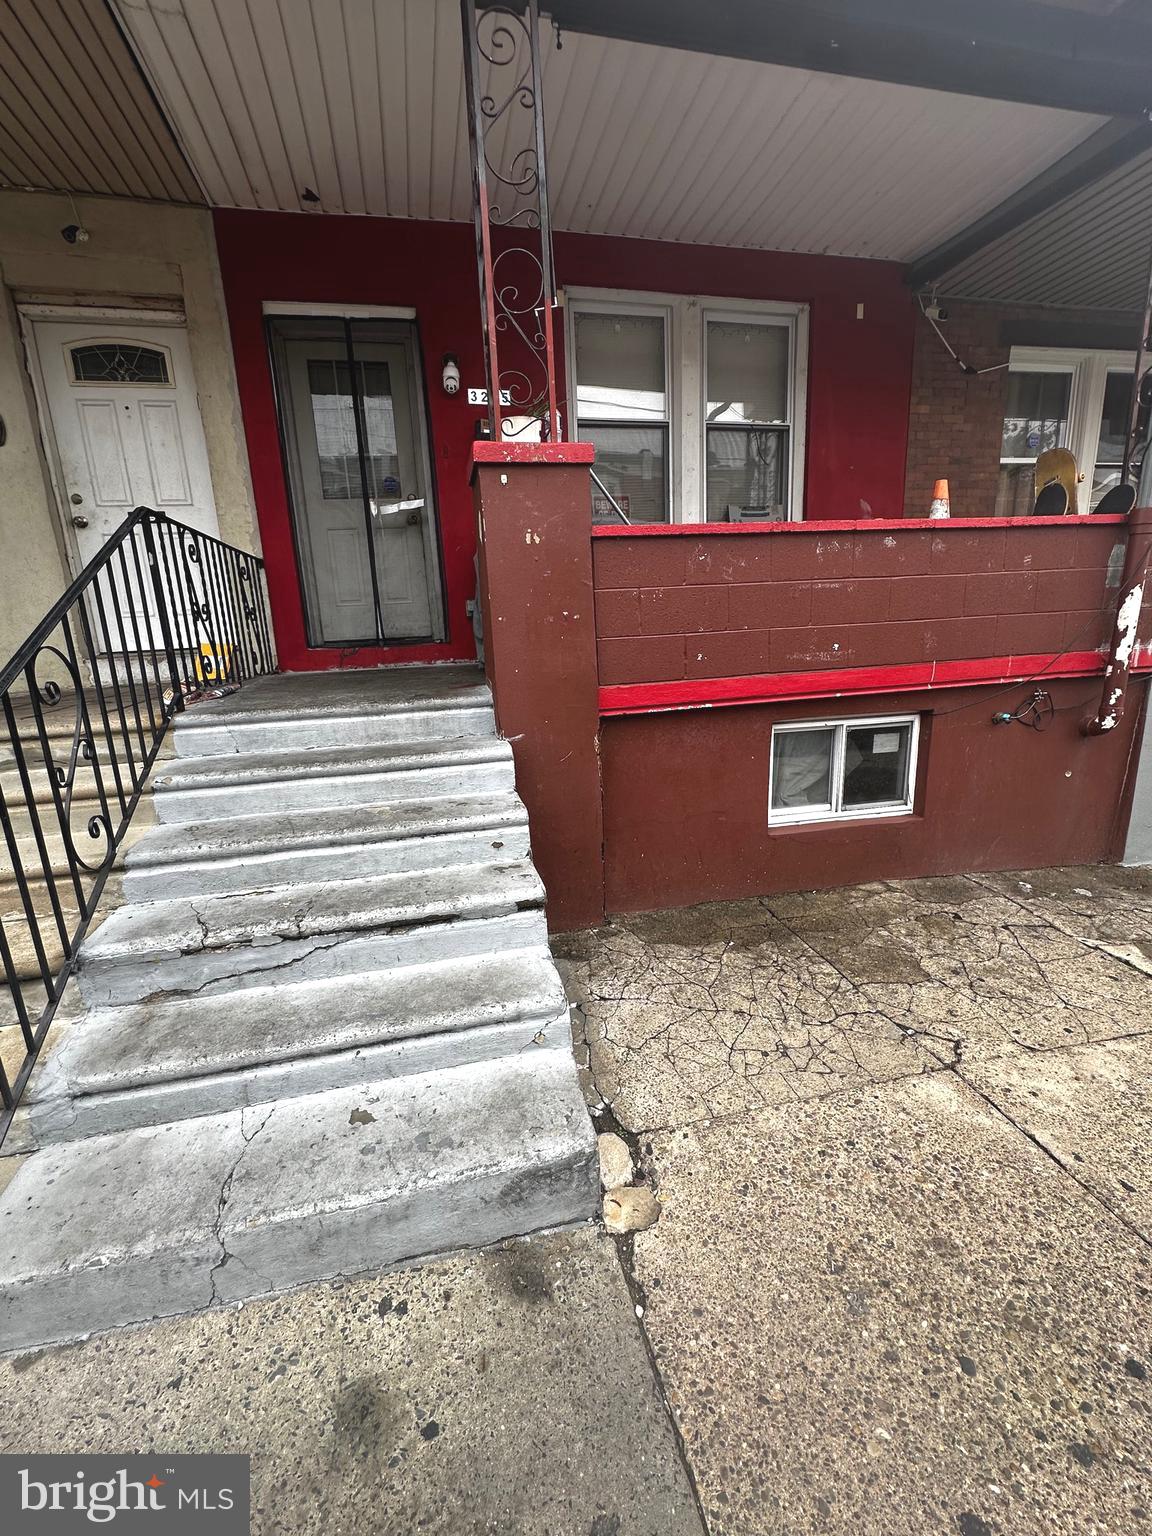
28	313
285	428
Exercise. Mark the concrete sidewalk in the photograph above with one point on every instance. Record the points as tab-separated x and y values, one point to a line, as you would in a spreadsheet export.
902	1136
506	1392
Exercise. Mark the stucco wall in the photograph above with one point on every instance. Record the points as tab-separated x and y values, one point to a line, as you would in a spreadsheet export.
136	250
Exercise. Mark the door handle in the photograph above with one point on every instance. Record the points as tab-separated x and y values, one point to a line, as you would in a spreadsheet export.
396	511
79	520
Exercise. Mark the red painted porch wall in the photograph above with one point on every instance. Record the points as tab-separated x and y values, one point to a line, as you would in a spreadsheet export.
858	384
686	798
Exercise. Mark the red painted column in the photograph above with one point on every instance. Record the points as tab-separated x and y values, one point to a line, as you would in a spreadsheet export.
535	546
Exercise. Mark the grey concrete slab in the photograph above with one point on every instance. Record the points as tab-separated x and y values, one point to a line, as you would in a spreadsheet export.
157	1221
348	691
1106	902
323	762
1091	1107
114	1068
888	1313
170	946
963	962
715	1010
213	973
507	1393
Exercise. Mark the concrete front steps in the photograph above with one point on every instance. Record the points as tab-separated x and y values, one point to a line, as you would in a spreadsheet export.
323	1034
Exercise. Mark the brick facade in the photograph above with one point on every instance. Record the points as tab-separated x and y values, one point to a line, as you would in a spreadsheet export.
955	418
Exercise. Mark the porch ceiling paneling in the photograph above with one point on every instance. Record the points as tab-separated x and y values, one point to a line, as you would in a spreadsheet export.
362	104
76	114
1089	252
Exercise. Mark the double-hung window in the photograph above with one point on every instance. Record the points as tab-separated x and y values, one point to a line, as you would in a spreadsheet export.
621	362
825	770
695	406
1063	398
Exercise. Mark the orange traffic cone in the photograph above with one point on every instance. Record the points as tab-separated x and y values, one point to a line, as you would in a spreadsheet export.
941	507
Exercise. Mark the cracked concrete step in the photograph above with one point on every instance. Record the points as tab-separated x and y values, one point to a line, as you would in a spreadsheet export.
145	1223
346	842
155	947
117	1068
200	733
198	789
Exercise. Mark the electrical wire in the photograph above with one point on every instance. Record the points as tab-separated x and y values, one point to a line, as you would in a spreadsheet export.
951	350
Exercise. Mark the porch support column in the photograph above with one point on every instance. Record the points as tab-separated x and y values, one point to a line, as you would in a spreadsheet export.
535	557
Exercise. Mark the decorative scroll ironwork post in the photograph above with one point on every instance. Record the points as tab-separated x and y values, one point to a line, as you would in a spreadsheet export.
510	204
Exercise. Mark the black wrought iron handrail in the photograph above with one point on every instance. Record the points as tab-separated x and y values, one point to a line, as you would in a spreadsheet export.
162	612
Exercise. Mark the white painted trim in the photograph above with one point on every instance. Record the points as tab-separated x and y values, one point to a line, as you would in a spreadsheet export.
86	312
342	311
687	316
1089	371
802	815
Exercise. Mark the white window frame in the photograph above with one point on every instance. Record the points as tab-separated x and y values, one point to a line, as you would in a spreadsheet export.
790	816
686	380
1089	371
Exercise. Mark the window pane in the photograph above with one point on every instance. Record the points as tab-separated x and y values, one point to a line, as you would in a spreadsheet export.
1016	491
1036	414
633	464
745	470
1114	421
620	368
119	362
802	768
334	417
747	372
876	765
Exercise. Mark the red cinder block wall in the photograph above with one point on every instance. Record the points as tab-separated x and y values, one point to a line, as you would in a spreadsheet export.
709	605
862	617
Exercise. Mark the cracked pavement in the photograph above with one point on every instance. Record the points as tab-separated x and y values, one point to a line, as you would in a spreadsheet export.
902	1137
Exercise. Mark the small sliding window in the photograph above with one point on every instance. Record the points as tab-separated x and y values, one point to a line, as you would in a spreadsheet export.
840	770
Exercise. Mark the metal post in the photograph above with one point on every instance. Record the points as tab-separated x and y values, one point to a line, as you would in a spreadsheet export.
504	83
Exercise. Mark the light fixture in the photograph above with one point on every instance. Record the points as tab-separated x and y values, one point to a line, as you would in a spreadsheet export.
450	374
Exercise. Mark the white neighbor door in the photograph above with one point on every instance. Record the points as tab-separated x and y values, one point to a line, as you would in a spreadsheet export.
126	423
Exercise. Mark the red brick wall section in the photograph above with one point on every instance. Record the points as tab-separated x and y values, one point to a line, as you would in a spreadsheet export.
673	606
955	419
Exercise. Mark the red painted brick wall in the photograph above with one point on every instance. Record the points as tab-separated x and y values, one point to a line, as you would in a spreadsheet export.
673	605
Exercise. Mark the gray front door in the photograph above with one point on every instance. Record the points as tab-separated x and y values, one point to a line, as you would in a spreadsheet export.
356	455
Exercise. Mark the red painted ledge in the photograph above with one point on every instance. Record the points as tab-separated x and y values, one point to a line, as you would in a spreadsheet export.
851	682
486	450
853	525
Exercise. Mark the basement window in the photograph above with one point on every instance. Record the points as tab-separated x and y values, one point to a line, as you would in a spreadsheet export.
840	770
